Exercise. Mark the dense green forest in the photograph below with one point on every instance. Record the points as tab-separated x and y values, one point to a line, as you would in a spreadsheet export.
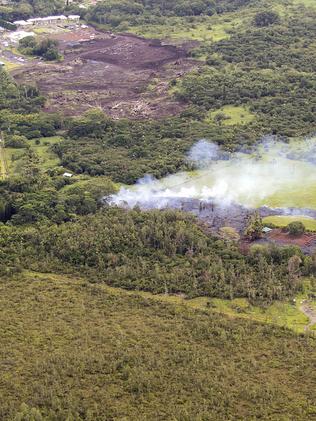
159	251
74	346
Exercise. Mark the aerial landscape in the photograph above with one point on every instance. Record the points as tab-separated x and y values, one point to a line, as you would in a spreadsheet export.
157	210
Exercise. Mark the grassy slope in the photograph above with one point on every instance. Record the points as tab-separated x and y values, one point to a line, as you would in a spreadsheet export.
283	221
71	347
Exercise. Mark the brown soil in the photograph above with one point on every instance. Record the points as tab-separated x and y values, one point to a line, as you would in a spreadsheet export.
304	241
125	75
307	241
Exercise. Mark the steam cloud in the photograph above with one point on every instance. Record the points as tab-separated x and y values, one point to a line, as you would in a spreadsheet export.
203	152
249	179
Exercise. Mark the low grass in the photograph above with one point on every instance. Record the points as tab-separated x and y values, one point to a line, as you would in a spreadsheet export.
283	221
47	158
9	65
234	115
279	313
303	197
75	350
211	29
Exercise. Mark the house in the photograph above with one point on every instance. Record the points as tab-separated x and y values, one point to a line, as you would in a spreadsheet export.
67	175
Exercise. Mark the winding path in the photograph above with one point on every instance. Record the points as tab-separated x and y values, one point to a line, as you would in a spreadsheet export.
310	312
3	161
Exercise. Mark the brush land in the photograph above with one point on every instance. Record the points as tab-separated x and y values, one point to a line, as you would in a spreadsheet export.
109	313
105	354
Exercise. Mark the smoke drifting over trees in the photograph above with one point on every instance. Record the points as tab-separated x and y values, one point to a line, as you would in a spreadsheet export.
244	178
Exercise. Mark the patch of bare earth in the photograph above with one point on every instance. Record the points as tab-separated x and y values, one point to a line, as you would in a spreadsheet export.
125	75
310	312
307	241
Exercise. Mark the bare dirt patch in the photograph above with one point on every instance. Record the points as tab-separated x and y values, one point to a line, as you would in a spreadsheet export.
125	75
310	312
307	241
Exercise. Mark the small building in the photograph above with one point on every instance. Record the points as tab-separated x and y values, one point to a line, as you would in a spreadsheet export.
2	64
266	230
67	175
48	21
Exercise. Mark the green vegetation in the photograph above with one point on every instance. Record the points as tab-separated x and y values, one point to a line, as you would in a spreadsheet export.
201	28
24	9
231	115
158	251
279	313
106	354
165	316
46	48
40	147
294	197
284	221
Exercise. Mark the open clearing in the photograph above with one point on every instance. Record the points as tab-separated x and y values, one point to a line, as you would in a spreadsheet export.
231	115
47	159
282	221
112	72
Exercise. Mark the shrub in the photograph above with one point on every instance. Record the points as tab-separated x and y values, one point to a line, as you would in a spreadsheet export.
296	228
266	19
16	141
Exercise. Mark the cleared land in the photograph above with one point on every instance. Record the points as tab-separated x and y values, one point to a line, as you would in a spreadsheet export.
231	115
42	147
307	241
112	72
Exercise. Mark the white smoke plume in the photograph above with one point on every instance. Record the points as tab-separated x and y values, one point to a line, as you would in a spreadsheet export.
203	153
249	179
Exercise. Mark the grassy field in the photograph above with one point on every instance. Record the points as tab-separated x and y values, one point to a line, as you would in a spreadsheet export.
234	115
47	158
283	221
304	197
212	29
81	351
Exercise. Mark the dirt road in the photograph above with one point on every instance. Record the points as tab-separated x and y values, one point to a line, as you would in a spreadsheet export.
3	161
310	312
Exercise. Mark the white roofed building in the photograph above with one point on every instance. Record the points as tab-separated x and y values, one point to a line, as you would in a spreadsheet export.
47	21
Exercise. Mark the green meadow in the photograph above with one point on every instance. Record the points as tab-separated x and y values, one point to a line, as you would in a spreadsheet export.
210	29
47	159
283	221
231	115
